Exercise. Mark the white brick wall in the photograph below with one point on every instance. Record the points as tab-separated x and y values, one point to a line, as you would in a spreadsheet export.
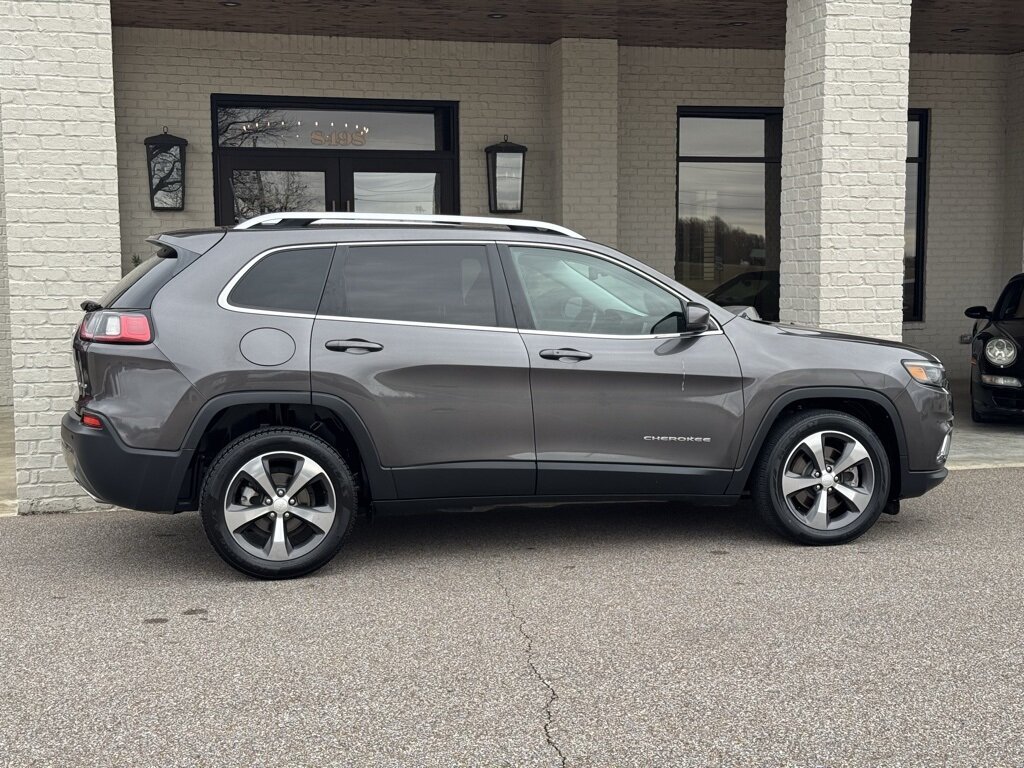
6	391
843	164
583	82
165	77
653	83
60	192
965	261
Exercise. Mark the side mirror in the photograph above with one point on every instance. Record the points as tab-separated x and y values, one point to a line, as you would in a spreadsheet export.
977	313
698	318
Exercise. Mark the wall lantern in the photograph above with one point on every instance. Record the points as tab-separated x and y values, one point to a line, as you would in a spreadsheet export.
505	163
165	156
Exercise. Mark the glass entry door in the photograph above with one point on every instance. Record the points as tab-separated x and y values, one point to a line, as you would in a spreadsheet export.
271	184
252	186
395	186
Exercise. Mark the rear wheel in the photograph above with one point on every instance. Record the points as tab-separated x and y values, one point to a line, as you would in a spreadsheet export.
278	503
823	478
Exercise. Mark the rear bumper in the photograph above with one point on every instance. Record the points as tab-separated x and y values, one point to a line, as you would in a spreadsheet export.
114	473
916	484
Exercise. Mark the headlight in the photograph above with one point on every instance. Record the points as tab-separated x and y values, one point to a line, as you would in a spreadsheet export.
1001	352
926	372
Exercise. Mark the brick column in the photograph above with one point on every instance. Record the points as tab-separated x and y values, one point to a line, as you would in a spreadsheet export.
843	164
59	169
583	81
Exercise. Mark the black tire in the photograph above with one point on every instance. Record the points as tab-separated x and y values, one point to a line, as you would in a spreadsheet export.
225	470
766	487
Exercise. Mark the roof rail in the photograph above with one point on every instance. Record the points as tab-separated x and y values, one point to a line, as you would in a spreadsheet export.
302	219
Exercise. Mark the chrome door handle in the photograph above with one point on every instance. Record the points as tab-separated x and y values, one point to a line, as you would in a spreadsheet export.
354	346
565	355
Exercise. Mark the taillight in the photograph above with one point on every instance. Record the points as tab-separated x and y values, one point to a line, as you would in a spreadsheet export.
88	420
116	328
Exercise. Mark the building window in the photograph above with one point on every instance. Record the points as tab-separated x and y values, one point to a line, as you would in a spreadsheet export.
729	179
729	214
914	228
275	153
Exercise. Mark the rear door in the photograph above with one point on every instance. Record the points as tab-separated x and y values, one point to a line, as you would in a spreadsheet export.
419	339
622	403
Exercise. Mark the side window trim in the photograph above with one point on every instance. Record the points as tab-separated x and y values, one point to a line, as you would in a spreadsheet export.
505	319
222	297
521	308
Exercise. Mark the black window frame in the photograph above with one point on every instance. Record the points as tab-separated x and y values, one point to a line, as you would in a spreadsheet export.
750	113
445	154
923	117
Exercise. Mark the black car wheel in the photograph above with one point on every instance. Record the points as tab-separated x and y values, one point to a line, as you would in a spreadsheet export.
823	478
278	503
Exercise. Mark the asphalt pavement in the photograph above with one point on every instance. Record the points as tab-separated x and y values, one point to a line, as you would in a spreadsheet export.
651	635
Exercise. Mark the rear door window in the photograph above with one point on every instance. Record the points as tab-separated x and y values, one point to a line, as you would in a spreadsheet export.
447	284
284	281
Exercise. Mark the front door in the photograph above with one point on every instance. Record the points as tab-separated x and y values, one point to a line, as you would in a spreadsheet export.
622	405
251	185
419	339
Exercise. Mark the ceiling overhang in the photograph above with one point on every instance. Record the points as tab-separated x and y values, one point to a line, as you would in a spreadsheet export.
943	26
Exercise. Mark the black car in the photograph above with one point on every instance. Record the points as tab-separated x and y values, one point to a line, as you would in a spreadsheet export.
997	369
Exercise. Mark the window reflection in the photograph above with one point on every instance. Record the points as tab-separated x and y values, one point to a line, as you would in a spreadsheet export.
728	209
258	192
264	127
396	192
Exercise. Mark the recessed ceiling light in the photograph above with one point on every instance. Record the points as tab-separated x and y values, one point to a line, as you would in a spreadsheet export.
737	23
496	15
961	29
230	4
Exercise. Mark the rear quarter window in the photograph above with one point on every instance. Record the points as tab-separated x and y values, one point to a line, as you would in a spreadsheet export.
284	281
136	289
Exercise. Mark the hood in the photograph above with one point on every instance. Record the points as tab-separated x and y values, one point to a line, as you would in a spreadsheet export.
850	338
1011	329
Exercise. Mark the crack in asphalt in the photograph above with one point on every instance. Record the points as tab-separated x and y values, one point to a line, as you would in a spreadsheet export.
552	693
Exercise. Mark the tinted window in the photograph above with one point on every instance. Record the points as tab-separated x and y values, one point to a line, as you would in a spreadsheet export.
570	292
448	284
285	281
136	289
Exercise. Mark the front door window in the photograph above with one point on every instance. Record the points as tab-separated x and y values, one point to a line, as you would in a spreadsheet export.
256	192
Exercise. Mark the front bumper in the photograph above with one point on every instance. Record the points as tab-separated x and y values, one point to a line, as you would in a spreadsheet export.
916	484
114	473
990	400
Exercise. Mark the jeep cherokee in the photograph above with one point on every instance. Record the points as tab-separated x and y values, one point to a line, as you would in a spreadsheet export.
284	374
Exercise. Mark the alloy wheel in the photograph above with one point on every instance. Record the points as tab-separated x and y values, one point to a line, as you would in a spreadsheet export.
279	506
828	480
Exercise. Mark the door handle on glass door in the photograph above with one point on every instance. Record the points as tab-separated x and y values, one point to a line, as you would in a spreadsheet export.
565	355
354	346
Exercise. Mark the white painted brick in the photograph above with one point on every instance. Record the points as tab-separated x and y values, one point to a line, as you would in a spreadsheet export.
839	150
59	223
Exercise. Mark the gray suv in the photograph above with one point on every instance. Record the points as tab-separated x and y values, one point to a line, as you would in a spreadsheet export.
285	374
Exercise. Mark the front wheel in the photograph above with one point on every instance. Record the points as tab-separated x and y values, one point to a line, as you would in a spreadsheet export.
823	478
278	503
